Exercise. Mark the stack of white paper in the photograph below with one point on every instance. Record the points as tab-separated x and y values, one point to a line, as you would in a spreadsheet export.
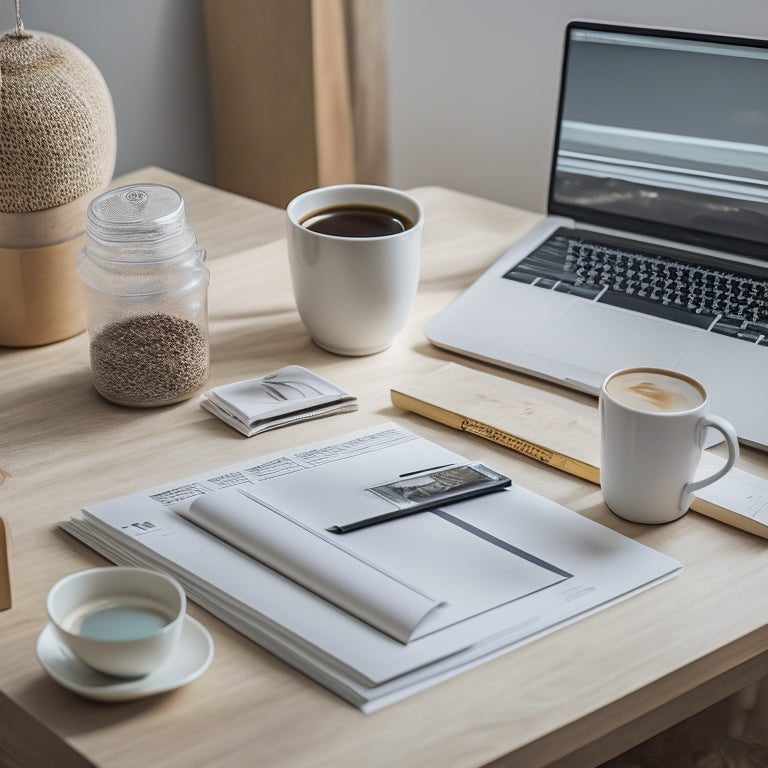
381	612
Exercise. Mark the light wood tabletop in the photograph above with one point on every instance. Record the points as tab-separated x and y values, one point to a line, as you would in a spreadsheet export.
576	697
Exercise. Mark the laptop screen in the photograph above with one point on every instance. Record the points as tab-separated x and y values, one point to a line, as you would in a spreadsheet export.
665	133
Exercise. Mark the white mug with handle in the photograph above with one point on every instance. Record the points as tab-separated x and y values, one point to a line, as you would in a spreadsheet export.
652	430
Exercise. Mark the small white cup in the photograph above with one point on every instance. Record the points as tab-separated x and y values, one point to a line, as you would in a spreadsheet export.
652	424
354	294
121	621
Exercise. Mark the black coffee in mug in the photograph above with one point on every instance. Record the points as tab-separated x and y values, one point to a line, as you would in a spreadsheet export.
356	220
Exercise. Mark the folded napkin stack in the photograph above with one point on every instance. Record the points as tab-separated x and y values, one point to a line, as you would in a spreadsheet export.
277	399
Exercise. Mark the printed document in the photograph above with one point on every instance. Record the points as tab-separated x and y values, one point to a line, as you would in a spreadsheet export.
380	612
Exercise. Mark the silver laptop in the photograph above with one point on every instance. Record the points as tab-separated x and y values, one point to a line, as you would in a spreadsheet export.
655	249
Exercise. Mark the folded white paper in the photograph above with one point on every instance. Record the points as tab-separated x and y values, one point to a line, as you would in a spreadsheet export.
285	396
314	560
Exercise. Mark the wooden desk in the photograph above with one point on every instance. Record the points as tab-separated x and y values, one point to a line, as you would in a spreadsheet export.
573	698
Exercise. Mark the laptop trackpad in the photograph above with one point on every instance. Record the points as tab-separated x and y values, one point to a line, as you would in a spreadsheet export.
602	340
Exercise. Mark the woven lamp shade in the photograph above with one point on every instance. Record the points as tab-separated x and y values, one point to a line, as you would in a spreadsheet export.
57	151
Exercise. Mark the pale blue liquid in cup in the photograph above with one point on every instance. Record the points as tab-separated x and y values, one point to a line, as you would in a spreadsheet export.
122	623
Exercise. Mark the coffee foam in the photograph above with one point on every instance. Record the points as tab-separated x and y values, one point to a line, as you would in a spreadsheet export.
654	391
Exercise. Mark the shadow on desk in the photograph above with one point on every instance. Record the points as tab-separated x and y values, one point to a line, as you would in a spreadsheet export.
25	740
730	734
51	389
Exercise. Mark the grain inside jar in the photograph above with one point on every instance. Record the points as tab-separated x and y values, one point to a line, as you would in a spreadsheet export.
149	360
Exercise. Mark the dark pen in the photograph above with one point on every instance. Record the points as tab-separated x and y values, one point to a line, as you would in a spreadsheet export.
426	469
499	483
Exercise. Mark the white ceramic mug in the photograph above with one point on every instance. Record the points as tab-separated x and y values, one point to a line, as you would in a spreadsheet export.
354	293
652	430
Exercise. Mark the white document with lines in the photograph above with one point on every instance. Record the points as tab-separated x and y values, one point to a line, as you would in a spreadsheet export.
381	612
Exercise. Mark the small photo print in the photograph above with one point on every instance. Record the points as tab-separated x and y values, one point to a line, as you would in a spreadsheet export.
440	483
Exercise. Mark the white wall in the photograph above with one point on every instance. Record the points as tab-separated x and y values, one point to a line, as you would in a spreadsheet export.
473	83
152	55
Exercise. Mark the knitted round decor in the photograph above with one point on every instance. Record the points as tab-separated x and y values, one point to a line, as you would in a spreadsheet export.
57	123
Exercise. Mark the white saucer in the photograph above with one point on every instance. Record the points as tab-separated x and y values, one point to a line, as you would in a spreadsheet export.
190	659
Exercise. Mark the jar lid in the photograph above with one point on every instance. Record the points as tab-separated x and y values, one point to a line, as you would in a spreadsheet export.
139	215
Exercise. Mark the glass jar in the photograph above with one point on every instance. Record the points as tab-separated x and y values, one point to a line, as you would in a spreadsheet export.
146	297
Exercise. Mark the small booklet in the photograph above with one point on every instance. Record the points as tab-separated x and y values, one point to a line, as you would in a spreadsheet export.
279	398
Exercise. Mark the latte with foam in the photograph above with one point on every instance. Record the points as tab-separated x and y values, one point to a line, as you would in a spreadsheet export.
651	390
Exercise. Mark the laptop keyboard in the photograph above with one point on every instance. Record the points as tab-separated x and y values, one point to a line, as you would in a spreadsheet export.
615	272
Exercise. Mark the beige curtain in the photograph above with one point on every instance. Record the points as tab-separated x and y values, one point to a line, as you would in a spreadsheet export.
298	94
